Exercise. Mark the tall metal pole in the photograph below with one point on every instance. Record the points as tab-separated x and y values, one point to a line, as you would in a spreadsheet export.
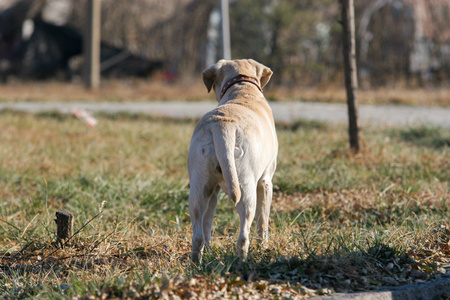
91	48
351	78
226	44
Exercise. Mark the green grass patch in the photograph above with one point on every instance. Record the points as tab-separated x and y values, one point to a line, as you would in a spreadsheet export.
434	137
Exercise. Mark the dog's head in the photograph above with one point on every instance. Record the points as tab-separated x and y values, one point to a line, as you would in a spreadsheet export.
223	70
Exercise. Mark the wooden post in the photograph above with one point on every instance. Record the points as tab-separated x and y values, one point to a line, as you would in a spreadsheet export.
351	76
225	17
91	45
64	225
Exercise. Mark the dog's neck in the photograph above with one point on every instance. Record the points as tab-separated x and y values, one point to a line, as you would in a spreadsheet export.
239	78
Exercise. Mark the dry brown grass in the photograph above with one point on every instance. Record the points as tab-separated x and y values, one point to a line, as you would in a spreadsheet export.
110	90
193	89
384	96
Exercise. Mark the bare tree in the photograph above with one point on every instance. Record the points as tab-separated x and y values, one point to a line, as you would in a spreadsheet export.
351	79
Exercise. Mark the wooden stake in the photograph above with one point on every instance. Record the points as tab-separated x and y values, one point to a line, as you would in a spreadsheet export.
64	224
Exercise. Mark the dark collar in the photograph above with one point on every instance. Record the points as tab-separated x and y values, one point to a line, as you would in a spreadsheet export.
237	79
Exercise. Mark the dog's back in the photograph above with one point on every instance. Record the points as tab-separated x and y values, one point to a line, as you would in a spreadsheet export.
233	134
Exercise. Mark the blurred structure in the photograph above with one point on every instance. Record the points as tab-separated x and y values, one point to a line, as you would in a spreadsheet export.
398	41
405	37
41	39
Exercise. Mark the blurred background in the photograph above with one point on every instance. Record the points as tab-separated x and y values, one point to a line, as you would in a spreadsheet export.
399	42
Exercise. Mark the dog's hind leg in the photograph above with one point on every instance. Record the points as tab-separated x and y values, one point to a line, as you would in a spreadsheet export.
197	205
246	209
265	191
208	216
202	205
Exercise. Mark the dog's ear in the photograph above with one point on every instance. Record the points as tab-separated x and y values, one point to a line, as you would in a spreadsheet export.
264	73
209	76
265	76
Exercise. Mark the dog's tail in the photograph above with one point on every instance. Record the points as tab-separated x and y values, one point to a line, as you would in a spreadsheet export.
224	146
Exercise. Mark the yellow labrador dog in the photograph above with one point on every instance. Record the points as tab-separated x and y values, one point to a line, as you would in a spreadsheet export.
233	147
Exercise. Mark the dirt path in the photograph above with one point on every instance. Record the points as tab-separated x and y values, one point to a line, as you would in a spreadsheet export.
283	112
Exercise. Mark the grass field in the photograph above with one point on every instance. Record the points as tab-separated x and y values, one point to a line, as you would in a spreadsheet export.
340	222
